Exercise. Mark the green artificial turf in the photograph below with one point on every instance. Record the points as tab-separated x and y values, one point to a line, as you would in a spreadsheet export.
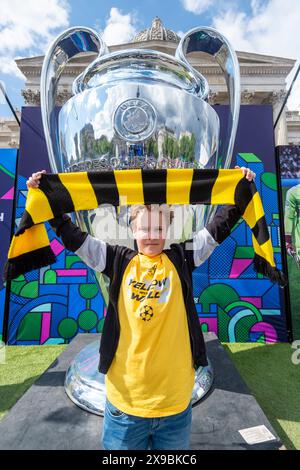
274	380
294	284
267	369
22	366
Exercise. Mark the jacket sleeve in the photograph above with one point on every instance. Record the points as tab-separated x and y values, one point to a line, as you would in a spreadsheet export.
223	222
201	246
91	250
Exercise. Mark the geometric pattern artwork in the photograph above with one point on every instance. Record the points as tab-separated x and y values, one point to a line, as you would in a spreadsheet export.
8	160
232	300
53	304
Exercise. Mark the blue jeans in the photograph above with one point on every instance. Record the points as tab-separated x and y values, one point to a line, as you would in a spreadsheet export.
122	431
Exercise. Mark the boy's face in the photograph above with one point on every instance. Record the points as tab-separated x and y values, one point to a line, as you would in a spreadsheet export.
150	228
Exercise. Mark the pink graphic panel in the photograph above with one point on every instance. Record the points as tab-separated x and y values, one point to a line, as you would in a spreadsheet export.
266	329
71	272
253	300
45	329
212	323
238	266
56	247
9	195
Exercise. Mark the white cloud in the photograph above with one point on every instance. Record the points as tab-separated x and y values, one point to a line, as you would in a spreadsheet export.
28	26
196	6
272	29
119	28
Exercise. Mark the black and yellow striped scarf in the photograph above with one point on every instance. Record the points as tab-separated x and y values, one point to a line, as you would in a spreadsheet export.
67	192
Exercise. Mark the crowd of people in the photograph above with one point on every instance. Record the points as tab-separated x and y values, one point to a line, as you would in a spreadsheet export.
290	162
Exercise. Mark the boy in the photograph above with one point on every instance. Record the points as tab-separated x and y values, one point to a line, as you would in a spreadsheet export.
152	340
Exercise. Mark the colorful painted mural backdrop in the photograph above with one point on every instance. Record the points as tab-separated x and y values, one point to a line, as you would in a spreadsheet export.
55	303
289	164
231	299
8	160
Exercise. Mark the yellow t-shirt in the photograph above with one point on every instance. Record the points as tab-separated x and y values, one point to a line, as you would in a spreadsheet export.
152	373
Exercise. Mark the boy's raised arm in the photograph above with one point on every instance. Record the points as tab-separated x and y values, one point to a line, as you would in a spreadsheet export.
223	222
214	233
91	250
97	254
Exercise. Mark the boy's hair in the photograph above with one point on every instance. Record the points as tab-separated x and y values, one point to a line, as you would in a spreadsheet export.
165	209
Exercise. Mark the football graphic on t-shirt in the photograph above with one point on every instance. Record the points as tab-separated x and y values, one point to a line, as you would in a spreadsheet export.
146	312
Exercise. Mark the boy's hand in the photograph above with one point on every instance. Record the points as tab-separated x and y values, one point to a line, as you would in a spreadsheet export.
34	180
250	175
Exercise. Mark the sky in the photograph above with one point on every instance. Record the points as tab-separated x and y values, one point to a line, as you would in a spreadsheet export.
27	28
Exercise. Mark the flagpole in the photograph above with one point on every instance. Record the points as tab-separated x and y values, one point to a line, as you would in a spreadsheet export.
287	95
9	104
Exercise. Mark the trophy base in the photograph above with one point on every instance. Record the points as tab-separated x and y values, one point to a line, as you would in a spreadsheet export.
85	385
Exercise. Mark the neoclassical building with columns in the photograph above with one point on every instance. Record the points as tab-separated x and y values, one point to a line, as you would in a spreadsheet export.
262	80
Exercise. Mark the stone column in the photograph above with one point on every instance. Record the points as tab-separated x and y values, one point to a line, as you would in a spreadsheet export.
276	99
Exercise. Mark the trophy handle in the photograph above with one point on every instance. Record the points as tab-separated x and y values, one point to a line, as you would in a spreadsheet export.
68	44
211	42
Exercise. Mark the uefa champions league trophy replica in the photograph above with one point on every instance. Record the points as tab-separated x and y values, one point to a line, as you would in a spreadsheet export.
134	108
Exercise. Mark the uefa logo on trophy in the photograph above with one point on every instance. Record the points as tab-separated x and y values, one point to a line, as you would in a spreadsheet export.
134	108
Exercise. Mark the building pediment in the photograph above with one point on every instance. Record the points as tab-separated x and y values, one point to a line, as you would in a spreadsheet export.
244	58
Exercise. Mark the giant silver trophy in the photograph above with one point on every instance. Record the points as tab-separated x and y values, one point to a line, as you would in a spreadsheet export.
134	108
